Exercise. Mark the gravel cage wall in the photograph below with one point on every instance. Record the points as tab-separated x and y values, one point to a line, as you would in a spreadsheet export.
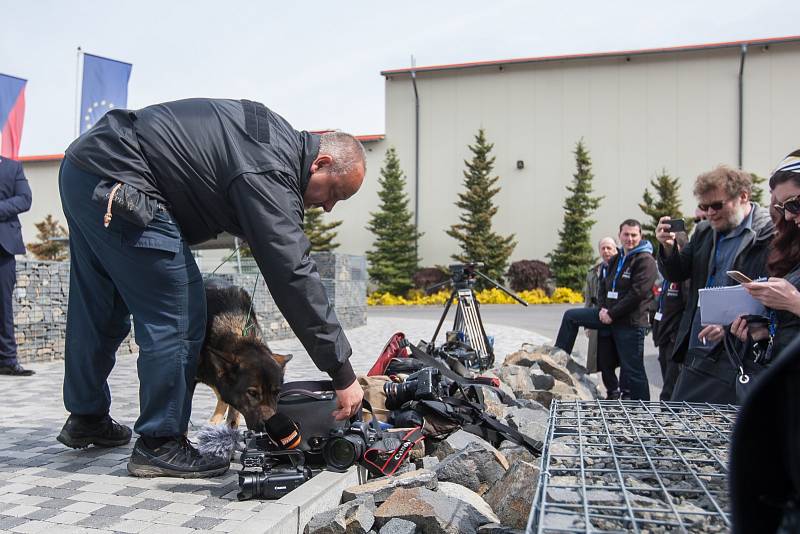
634	466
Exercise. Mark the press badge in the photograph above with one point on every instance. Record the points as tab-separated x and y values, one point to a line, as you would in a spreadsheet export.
613	295
658	316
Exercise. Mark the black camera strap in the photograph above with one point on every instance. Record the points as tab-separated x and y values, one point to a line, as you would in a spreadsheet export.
386	462
431	361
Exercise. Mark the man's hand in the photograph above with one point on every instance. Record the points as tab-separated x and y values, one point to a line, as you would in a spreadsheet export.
664	236
348	401
711	333
776	293
605	318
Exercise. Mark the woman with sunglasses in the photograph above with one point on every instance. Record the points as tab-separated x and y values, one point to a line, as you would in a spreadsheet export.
780	294
765	459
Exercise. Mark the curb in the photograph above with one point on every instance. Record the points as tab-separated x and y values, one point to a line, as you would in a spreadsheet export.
291	513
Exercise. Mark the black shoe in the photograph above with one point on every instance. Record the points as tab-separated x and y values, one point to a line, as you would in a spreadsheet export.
80	432
175	458
613	395
15	369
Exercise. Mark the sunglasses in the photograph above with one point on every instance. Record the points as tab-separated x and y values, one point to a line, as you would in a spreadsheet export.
792	205
716	206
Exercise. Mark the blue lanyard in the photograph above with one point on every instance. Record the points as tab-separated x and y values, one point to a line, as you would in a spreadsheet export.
664	289
620	265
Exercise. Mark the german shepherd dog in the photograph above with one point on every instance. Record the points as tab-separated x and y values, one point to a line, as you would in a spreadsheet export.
235	362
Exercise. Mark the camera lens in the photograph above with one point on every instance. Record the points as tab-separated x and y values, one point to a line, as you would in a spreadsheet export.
399	394
250	485
342	452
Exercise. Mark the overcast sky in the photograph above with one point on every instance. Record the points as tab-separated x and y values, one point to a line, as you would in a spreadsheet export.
318	63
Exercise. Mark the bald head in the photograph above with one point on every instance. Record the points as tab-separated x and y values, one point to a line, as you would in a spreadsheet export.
337	172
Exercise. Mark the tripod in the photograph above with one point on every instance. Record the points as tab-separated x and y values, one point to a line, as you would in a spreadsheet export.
468	318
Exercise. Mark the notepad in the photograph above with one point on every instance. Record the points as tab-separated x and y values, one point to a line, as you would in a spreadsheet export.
722	305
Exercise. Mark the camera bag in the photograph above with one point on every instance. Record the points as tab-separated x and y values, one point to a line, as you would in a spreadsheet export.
310	404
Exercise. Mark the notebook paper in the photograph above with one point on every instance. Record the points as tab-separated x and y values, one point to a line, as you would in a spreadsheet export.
722	305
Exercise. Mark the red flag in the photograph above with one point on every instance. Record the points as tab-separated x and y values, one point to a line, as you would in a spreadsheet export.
12	114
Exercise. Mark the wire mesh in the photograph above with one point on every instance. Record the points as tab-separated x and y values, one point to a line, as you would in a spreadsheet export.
634	466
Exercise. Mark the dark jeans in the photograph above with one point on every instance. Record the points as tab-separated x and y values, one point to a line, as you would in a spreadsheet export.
607	360
123	270
629	341
670	369
8	278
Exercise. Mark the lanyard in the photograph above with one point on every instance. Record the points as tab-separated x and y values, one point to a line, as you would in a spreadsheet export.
664	289
773	329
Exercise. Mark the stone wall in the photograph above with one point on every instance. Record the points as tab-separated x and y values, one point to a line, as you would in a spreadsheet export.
40	302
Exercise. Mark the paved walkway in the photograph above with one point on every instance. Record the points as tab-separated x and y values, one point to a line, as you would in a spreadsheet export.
45	486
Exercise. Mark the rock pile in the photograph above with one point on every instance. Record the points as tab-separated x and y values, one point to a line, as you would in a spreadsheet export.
464	484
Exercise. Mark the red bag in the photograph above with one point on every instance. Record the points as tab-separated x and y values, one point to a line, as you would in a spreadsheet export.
397	347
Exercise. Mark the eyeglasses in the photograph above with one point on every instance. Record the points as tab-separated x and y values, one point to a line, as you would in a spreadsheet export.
716	206
792	205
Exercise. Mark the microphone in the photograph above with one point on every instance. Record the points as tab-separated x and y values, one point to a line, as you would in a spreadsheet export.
219	440
283	432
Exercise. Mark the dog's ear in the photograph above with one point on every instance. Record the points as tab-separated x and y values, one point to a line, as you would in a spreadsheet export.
282	359
224	362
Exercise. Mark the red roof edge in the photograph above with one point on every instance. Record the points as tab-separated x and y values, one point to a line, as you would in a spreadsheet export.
48	157
663	50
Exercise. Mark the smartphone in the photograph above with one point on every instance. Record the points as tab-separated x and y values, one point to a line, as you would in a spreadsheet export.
739	277
676	225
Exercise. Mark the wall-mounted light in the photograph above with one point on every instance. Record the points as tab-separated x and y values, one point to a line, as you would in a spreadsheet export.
520	164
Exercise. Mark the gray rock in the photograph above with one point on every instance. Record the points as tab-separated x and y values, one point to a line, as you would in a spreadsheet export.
514	453
554	369
532	404
474	467
512	497
461	493
427	462
541	380
380	489
496	528
460	440
432	512
545	398
354	517
532	423
398	526
494	373
517	378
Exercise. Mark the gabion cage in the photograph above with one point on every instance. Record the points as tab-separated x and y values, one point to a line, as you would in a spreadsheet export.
634	466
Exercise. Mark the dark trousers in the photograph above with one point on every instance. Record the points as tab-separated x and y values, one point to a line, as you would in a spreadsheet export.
629	341
670	369
8	278
123	270
607	360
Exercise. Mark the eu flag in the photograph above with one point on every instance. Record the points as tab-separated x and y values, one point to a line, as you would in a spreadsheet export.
105	87
12	113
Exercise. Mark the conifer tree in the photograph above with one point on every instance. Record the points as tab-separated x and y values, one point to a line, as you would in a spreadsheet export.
46	248
474	233
667	201
574	254
757	194
320	234
393	258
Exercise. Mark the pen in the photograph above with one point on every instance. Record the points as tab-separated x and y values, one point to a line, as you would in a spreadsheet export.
703	340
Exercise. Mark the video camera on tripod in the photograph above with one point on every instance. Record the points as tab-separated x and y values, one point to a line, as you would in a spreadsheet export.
467	326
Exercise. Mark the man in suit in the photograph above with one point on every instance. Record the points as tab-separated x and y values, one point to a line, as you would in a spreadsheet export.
15	198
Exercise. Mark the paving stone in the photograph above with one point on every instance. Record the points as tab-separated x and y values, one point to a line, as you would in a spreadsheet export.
99	521
203	523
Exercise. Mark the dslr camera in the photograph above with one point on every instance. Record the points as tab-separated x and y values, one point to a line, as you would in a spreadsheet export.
425	384
344	446
271	474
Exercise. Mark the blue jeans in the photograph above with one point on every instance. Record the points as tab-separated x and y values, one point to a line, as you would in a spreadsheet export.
117	272
629	341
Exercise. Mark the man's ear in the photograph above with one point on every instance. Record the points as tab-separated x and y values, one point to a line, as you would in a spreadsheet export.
282	359
322	161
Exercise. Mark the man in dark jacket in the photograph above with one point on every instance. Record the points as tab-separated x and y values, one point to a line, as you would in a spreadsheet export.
15	198
137	190
734	237
624	297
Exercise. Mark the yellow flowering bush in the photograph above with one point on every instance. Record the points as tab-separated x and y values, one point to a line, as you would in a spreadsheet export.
561	295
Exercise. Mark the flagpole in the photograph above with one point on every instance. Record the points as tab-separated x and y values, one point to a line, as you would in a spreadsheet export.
78	93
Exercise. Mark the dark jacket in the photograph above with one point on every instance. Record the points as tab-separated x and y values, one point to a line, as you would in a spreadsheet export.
765	464
634	287
673	300
788	324
15	198
692	263
235	166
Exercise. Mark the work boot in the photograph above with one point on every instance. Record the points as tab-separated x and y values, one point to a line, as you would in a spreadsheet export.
80	431
613	395
175	458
